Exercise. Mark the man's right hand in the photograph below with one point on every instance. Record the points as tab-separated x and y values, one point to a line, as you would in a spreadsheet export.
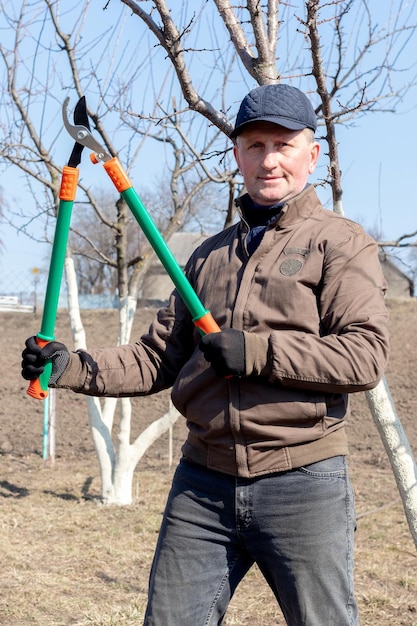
34	358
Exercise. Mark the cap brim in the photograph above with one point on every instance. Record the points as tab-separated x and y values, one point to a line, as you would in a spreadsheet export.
279	121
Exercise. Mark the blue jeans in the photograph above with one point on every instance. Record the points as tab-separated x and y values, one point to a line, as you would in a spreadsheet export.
297	526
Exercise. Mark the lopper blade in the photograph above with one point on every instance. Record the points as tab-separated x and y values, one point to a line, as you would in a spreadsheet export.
80	119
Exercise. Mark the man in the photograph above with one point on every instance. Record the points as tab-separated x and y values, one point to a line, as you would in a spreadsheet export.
299	295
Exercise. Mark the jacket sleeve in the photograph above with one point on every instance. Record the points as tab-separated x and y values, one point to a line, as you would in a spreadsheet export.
349	352
144	367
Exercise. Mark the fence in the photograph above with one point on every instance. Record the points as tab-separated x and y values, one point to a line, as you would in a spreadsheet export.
27	288
25	291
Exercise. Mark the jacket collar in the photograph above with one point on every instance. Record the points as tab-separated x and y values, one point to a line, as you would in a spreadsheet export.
255	214
285	213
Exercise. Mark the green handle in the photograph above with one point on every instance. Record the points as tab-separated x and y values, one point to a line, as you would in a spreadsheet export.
56	270
202	318
166	257
39	388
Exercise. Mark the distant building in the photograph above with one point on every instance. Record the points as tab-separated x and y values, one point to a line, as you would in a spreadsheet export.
399	284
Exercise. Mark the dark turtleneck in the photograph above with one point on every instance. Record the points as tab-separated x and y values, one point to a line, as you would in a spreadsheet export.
257	217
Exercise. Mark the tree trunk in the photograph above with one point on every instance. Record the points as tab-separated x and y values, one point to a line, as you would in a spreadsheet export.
130	455
398	450
116	468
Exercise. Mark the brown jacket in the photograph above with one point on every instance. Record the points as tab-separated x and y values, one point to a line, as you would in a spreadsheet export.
311	298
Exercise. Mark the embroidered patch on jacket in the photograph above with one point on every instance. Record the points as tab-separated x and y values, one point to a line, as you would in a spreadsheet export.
289	267
303	251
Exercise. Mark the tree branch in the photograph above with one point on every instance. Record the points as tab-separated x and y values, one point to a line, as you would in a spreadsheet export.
171	40
266	70
326	102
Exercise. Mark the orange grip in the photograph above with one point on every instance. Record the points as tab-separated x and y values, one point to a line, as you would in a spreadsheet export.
36	391
117	174
69	182
207	324
42	342
35	388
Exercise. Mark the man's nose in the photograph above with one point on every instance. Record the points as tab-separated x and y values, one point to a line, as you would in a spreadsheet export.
270	159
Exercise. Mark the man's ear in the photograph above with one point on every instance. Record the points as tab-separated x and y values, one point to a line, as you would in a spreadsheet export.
236	154
314	156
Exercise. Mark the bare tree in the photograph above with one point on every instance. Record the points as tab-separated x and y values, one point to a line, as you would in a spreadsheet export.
379	399
38	34
30	146
346	86
362	59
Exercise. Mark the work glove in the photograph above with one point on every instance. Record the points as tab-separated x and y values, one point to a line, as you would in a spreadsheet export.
34	357
236	353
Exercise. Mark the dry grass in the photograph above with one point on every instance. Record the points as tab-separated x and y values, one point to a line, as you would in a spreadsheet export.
68	561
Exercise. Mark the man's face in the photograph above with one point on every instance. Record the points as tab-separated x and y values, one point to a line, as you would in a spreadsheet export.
275	162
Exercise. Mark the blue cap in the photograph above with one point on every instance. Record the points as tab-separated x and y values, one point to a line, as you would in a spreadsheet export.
280	104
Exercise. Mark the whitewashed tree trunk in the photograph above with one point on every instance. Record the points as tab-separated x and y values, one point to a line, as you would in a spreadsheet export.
117	467
398	450
153	432
395	442
127	462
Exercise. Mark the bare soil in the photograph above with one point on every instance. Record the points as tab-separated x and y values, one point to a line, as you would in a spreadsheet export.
68	560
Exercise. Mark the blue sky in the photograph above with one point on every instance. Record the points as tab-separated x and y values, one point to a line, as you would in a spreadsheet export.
377	159
378	162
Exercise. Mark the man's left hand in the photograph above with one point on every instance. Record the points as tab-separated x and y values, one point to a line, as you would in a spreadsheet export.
225	352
